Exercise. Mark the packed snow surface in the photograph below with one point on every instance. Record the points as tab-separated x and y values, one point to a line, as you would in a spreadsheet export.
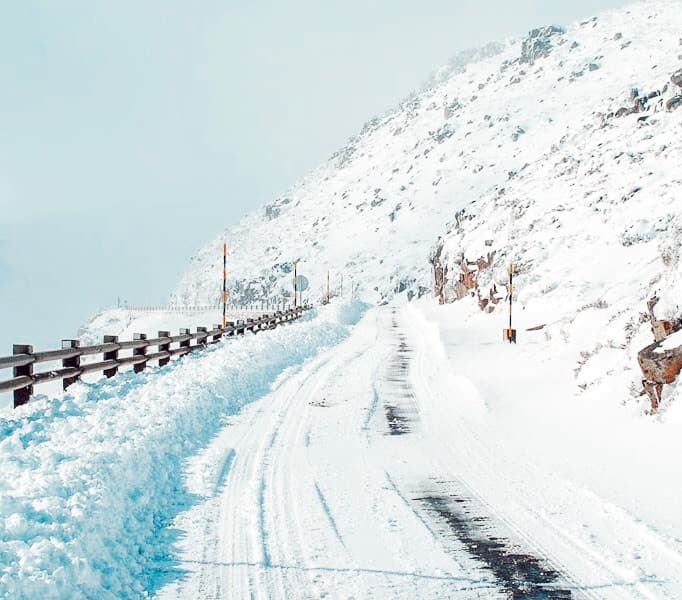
414	460
91	476
404	456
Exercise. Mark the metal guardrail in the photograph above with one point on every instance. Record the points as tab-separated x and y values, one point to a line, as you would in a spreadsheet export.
24	359
261	306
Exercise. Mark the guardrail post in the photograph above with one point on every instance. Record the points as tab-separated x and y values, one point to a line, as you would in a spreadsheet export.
216	336
23	395
201	340
139	367
74	361
250	323
241	329
230	324
164	348
111	355
184	331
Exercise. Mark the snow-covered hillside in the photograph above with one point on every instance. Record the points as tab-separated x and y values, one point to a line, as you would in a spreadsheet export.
373	210
560	151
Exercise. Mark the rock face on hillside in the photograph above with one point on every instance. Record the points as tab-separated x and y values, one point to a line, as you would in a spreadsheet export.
538	44
661	362
463	279
595	223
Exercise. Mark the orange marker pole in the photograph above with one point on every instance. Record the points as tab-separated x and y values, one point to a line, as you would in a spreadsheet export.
224	285
511	291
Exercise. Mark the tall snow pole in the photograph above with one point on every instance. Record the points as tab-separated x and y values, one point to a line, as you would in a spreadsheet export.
509	335
511	291
328	291
224	285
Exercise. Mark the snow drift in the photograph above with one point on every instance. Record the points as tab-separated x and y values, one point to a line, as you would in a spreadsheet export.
92	476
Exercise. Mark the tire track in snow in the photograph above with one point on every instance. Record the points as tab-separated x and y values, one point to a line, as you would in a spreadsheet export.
283	492
325	508
227	463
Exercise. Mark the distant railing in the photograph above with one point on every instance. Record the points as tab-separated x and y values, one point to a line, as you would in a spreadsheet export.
178	308
23	358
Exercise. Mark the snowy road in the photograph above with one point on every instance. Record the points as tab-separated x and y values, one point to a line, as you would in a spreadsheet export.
367	473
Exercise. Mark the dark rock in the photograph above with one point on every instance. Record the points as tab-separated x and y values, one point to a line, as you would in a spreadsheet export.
439	270
618	36
673	103
658	365
450	109
624	111
442	134
676	77
271	212
518	132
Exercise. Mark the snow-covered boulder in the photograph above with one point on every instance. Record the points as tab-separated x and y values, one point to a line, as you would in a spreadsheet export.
538	44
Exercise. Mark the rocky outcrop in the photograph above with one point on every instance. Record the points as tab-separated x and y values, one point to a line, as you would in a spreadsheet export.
676	78
660	362
469	271
653	100
440	271
673	103
462	279
660	365
538	44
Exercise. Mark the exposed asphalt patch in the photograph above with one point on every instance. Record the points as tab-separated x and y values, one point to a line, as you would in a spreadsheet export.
399	403
521	575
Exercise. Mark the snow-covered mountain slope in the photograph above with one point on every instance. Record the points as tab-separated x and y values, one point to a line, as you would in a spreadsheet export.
376	207
561	151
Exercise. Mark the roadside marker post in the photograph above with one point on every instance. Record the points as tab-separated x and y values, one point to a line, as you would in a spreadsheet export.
509	334
224	284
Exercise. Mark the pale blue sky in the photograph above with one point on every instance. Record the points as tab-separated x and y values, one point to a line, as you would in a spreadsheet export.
133	132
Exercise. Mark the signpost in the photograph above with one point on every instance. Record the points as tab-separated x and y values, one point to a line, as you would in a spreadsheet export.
301	284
